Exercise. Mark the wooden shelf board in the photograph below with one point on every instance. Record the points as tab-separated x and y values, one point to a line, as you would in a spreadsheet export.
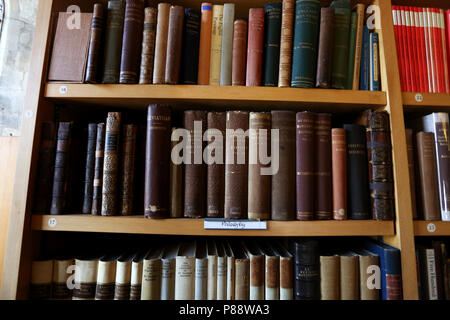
431	101
139	96
139	225
441	228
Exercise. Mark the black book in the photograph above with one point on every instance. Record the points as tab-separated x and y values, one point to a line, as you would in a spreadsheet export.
90	166
191	45
307	270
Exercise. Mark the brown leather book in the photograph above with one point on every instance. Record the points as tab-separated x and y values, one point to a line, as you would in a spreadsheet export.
148	46
127	168
339	172
216	170
428	179
205	43
305	165
323	184
283	182
132	41
98	171
287	34
176	186
174	44
95	45
194	169
330	286
411	167
349	277
239	53
259	189
60	175
89	168
325	55
162	33
111	165
236	165
157	161
255	47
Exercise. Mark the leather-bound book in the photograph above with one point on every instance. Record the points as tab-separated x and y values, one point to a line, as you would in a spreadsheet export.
174	44
287	34
191	46
176	186
339	172
330	278
106	278
236	165
306	35
60	290
380	165
283	182
204	55
259	190
98	171
148	46
90	167
216	45
111	165
272	36
60	175
305	166
357	173
95	45
41	280
255	47
162	35
194	169
412	178
127	170
216	171
132	41
86	278
123	277
157	172
46	162
349	277
323	184
428	179
325	55
113	41
307	270
239	53
227	44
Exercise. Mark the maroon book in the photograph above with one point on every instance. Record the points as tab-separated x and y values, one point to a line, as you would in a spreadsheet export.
255	47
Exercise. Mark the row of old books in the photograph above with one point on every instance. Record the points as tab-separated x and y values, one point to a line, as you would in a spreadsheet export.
423	48
224	270
433	267
284	44
429	164
218	165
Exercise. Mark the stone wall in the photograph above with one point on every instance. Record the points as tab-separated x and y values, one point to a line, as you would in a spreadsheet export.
15	55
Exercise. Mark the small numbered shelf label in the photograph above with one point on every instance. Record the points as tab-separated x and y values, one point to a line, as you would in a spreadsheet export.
63	90
419	97
52	222
431	227
225	224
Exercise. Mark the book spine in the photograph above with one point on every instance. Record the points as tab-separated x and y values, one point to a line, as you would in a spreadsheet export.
404	46
358	45
151	280
339	171
41	280
432	49
176	186
148	46
364	73
191	45
374	63
174	44
283	182
445	59
106	277
98	170
330	278
409	47
415	65
90	166
95	44
272	277
231	278
439	53
136	280
351	51
447	32
128	169
423	50
194	169
272	38
227	44
305	166
399	46
341	46
86	280
185	278
357	173
157	159
366	292
201	279
427	50
215	169
60	290
255	47
287	35
323	179
242	284
204	57
418	49
307	270
349	276
168	279
58	204
432	285
113	41
216	45
325	55
304	54
412	183
236	165
239	53
221	278
257	268
286	278
162	34
211	290
123	280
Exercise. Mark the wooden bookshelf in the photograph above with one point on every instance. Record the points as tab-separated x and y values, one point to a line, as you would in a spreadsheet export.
431	228
426	101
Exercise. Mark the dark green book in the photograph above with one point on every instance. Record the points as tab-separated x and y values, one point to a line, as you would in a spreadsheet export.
351	53
342	13
272	38
113	41
306	35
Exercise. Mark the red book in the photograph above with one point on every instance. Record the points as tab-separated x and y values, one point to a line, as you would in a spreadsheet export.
405	42
398	43
409	48
447	32
438	49
415	65
444	51
255	47
432	49
430	71
423	53
417	38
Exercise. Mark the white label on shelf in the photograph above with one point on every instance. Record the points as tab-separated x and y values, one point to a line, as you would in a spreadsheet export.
431	227
52	222
419	97
63	90
225	224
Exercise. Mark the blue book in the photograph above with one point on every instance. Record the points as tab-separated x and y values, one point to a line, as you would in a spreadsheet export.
374	62
390	265
364	74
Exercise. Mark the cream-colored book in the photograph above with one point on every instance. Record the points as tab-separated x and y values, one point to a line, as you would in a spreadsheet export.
330	284
106	278
61	286
231	276
212	270
185	272
151	276
242	272
85	278
41	279
123	277
257	268
227	44
216	45
221	271
168	271
136	276
201	271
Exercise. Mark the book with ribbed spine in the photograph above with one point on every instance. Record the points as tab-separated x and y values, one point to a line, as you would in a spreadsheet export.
239	53
191	46
204	56
287	34
272	38
226	56
325	54
90	167
216	45
255	47
148	46
307	270
127	170
98	170
95	45
342	15
174	45
162	34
